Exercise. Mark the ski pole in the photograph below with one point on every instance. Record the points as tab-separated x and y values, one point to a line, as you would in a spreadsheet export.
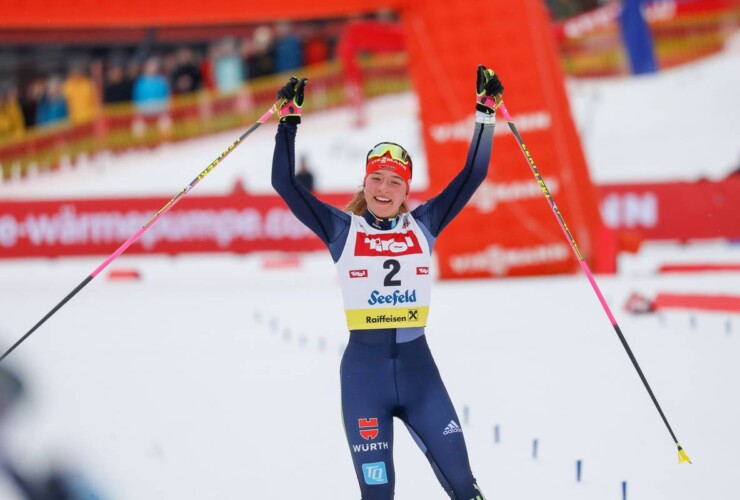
682	456
148	224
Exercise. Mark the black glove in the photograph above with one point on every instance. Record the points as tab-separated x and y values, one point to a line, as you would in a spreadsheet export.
293	93
487	86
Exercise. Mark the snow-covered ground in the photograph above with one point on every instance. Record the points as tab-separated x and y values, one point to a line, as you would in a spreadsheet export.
213	377
682	124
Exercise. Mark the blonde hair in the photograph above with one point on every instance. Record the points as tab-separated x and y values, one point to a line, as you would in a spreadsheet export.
358	204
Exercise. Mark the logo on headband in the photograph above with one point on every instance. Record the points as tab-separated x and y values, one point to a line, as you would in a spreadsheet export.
387	163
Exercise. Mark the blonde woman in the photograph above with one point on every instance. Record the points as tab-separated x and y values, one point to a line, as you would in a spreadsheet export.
382	252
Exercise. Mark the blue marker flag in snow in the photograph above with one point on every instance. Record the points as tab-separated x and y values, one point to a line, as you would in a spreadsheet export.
637	38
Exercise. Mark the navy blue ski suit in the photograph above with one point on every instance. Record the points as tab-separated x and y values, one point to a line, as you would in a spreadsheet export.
390	372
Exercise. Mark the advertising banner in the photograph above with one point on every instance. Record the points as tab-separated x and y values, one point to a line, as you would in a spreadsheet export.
446	41
509	228
235	223
674	210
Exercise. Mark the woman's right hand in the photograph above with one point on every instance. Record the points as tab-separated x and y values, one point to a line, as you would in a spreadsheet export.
293	93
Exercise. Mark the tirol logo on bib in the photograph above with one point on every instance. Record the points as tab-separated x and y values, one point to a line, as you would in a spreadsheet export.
386	244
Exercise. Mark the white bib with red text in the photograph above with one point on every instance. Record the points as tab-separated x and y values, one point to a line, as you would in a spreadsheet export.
385	275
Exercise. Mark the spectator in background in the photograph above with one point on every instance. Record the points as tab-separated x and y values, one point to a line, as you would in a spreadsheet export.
168	63
52	107
151	94
118	87
81	95
561	9
288	49
133	71
11	115
258	56
304	177
151	97
185	77
316	47
227	67
206	69
30	98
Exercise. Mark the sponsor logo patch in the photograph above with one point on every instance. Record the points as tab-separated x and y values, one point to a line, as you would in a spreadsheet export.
451	428
375	473
368	428
390	245
385	318
422	271
365	447
369	431
397	297
358	273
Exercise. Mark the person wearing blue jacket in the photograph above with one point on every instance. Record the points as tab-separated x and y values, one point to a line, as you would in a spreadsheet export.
151	92
382	251
52	108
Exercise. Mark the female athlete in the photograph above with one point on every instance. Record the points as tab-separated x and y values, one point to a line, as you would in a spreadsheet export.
382	251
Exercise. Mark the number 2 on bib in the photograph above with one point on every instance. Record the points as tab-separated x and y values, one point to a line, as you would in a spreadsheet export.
394	267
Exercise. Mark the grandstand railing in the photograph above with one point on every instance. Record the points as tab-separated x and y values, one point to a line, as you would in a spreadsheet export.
590	45
190	116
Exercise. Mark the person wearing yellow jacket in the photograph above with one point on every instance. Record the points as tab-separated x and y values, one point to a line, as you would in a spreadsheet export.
81	96
11	116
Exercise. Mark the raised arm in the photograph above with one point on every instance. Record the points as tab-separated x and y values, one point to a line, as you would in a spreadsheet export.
436	213
329	223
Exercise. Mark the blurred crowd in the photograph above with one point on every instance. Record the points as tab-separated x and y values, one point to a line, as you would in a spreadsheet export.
149	78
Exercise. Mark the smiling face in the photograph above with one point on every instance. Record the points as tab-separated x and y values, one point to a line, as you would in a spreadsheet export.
384	193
